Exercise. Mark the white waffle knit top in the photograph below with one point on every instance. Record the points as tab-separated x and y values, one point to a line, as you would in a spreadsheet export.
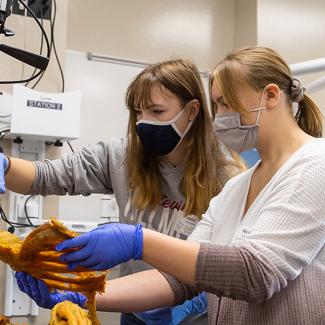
267	267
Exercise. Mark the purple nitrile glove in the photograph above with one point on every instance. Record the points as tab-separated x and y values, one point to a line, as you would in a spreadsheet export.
39	292
104	247
4	163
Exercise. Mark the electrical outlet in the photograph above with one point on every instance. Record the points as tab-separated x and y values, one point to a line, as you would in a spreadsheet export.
18	8
41	8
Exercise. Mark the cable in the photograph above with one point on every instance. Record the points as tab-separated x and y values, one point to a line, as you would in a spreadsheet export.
2	132
56	54
42	42
52	23
53	46
40	26
47	43
11	223
26	213
23	69
69	144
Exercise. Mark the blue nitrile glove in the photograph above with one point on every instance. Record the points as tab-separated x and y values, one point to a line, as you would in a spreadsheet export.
39	292
196	306
4	163
159	316
104	247
174	315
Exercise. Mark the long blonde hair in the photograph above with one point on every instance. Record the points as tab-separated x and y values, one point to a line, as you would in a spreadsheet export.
206	168
258	67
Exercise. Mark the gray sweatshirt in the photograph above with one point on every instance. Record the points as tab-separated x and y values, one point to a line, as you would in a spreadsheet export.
101	169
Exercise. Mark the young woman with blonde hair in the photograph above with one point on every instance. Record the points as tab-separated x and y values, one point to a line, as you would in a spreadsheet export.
163	174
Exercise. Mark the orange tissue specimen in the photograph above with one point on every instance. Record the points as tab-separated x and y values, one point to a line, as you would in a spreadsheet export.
36	256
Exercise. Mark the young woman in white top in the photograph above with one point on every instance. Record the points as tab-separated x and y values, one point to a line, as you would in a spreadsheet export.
259	249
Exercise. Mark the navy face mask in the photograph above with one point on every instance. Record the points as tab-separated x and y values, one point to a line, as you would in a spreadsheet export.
161	138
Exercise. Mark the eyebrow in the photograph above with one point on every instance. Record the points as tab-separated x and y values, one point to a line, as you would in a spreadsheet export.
138	109
219	99
156	106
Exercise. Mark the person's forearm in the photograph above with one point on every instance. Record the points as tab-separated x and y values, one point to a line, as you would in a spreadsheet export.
173	256
136	292
20	176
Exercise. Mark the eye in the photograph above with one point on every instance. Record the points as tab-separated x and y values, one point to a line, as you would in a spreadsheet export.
222	104
157	111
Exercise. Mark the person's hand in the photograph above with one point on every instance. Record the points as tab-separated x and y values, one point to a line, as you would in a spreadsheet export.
39	292
175	315
4	163
104	247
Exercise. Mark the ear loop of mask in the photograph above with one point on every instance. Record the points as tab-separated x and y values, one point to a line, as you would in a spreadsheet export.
182	136
259	109
176	128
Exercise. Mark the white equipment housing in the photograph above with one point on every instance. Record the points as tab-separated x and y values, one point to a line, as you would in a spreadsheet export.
45	116
35	117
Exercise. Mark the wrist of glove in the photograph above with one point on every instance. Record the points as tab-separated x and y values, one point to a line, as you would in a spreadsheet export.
159	316
104	247
4	168
39	292
196	306
175	315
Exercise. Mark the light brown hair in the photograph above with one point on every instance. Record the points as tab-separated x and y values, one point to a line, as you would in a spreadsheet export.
257	67
206	168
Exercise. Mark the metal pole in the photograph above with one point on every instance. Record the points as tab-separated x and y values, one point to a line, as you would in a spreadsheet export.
105	58
316	85
308	66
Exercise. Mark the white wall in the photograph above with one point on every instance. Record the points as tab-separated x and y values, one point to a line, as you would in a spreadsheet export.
245	23
149	30
296	29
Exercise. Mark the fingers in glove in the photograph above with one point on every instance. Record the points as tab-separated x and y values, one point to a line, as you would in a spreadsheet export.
43	290
22	276
20	282
33	284
79	241
77	256
91	263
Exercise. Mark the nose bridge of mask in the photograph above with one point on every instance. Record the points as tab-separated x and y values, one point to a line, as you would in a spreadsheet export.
173	120
170	122
227	121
